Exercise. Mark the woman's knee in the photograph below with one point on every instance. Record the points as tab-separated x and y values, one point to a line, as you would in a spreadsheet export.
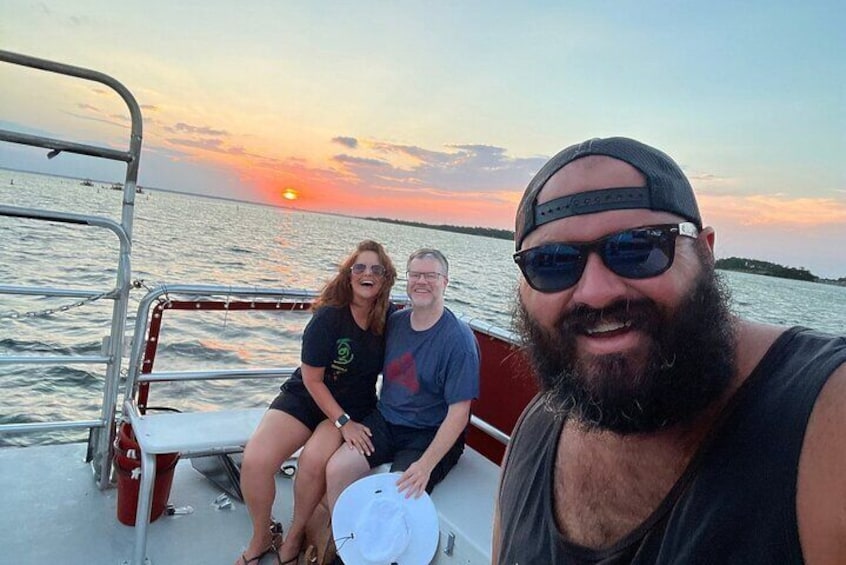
256	460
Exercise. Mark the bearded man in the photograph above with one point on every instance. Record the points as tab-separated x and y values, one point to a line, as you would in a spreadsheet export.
667	430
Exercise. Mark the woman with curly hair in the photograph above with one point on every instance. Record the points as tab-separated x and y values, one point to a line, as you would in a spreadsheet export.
320	406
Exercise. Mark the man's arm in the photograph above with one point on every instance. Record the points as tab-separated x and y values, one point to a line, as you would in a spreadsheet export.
821	489
414	480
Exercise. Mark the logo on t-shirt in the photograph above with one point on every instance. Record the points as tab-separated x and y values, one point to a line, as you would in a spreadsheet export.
343	352
343	357
403	371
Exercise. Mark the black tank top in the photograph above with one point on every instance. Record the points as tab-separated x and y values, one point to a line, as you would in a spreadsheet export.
735	503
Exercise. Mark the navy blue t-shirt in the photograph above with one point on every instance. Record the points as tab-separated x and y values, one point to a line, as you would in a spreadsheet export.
426	371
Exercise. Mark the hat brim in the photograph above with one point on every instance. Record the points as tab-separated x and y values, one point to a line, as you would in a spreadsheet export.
420	515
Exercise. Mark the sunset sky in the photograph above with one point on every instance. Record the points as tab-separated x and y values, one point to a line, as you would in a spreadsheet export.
440	111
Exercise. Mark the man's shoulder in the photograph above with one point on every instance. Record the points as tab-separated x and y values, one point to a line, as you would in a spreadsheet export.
454	320
820	487
401	315
456	325
755	341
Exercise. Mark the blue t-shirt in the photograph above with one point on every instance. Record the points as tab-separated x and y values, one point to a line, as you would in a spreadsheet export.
426	371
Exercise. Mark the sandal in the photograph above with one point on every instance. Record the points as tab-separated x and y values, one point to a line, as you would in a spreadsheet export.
256	559
275	541
276	537
293	559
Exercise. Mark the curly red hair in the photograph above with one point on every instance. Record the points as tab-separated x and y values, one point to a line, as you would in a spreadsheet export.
338	291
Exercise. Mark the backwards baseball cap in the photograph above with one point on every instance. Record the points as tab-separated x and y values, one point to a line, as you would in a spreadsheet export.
667	189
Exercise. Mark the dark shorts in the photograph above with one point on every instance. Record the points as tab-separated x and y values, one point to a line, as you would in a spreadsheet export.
296	401
402	445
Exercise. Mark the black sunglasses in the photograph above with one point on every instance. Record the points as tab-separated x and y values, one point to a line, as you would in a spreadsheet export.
638	253
361	268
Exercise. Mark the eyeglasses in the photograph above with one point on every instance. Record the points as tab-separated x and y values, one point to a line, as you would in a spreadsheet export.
361	268
638	253
430	276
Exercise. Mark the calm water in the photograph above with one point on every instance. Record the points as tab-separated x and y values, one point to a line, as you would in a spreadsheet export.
186	239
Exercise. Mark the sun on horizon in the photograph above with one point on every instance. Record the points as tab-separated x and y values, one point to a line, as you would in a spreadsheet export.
290	194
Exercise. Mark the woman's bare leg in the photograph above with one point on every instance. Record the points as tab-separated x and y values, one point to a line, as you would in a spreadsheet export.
309	484
277	437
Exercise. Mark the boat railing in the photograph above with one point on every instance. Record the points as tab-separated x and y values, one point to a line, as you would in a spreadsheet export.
150	319
100	429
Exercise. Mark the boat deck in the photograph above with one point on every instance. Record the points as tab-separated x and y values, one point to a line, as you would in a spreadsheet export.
52	512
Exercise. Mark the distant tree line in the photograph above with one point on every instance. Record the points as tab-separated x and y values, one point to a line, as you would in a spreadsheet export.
765	268
753	266
485	232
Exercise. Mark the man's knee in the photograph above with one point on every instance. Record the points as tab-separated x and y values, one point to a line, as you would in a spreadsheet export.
344	462
343	469
311	465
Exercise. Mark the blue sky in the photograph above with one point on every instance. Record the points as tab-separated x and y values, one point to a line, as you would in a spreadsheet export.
441	111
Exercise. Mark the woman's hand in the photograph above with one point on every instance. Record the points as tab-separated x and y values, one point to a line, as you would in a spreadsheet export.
357	436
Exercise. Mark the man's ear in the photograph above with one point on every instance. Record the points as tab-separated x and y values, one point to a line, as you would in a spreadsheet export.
707	235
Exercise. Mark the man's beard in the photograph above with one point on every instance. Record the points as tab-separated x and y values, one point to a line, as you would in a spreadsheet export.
688	364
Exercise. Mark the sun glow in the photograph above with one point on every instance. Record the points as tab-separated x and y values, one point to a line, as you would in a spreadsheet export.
290	194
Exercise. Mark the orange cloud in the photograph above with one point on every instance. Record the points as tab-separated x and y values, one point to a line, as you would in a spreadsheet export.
773	210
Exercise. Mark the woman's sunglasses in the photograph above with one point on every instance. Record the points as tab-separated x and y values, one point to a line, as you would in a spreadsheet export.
638	253
361	268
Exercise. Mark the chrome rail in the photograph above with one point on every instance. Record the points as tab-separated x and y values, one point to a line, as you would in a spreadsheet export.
203	293
199	293
222	374
488	429
101	430
131	157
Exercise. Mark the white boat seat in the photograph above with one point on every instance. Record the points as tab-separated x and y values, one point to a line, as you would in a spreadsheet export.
195	433
465	499
188	433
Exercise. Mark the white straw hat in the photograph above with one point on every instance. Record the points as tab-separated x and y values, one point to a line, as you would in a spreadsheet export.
374	524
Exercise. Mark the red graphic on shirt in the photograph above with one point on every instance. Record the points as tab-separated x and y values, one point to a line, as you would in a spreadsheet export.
402	371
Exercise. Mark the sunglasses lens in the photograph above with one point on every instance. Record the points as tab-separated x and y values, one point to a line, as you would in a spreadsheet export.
640	253
552	268
361	268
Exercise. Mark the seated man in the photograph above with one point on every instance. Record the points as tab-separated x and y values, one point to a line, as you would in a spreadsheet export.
430	377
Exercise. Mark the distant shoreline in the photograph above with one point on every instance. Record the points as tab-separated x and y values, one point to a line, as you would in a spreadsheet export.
756	267
751	266
742	265
477	230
